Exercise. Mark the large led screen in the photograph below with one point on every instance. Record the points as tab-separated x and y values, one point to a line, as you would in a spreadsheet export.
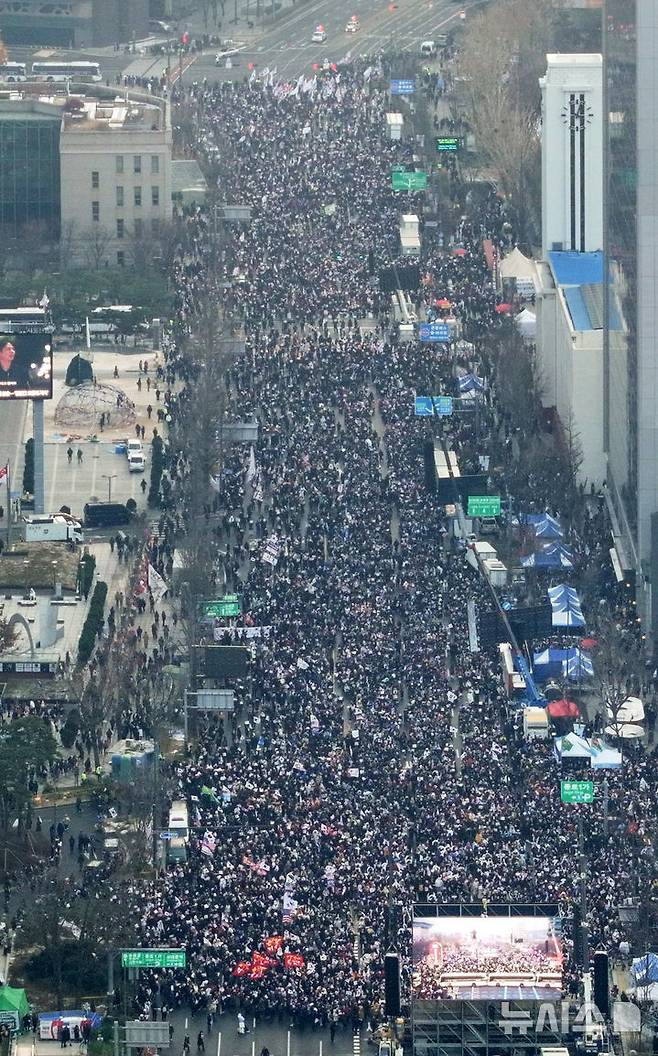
492	957
25	366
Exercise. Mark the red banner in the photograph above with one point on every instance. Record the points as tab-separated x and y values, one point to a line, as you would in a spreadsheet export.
273	943
242	968
261	960
293	960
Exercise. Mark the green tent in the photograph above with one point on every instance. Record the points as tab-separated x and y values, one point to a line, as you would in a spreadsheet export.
13	1006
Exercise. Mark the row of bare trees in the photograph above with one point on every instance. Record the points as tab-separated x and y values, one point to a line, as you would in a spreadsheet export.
502	56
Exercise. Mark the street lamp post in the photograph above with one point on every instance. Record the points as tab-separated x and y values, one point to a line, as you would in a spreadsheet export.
109	477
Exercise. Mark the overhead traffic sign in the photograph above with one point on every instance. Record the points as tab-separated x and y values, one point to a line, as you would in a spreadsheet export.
434	332
427	406
484	505
577	791
223	608
447	144
153	958
167	835
409	181
404	86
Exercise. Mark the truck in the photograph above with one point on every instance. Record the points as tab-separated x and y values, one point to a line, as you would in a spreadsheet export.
53	528
409	236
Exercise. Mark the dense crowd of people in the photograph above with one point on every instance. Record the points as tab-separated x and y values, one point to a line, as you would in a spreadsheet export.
341	796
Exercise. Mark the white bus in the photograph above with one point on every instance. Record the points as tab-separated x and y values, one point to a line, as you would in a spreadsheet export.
13	71
66	71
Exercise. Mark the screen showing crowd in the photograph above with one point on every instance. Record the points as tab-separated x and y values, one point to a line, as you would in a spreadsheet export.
456	957
25	366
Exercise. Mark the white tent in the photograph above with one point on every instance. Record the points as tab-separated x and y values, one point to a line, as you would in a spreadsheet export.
632	710
526	324
516	265
626	730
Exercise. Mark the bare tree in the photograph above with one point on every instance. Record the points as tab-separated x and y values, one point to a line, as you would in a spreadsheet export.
618	668
95	241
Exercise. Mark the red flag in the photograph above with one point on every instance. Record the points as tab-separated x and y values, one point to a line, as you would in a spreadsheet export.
273	943
293	960
256	971
4	471
261	960
242	968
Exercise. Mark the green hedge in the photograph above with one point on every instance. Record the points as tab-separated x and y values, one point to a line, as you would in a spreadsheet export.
87	566
157	465
93	624
28	468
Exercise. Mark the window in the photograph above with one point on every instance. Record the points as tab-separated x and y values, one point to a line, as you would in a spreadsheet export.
95	181
137	163
120	197
119	228
155	196
119	164
139	228
95	211
155	226
121	258
155	164
138	195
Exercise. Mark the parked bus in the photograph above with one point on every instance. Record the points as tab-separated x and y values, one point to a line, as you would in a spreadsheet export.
13	71
66	71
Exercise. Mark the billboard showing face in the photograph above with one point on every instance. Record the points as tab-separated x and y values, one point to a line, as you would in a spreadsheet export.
488	957
25	366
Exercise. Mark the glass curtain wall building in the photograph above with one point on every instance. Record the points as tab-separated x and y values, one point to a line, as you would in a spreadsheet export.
631	246
29	173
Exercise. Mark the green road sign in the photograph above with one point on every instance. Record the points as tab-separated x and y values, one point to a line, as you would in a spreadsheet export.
409	181
153	959
577	791
484	505
447	144
229	605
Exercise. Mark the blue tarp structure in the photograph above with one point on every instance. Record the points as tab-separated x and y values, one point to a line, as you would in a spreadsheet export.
565	604
553	662
578	748
548	528
645	969
470	384
553	555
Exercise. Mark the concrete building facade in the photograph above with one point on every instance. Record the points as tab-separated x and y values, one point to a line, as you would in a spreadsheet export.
631	240
572	154
115	177
73	23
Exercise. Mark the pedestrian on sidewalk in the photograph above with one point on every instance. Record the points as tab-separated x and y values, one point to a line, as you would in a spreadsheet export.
186	1045
200	1043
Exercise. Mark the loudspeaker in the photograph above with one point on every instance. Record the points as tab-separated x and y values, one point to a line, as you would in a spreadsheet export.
391	985
601	981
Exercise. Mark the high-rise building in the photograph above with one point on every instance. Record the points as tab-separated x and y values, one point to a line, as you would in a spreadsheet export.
29	173
572	154
631	249
73	23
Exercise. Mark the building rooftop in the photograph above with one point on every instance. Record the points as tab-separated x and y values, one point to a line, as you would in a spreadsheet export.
580	276
573	269
93	109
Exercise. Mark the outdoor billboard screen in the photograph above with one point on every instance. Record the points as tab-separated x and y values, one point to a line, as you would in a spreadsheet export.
488	957
26	367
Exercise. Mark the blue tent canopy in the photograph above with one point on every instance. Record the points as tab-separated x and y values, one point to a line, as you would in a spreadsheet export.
554	555
470	383
574	663
565	604
645	969
548	528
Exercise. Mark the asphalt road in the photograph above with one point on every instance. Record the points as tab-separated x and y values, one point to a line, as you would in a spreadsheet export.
285	43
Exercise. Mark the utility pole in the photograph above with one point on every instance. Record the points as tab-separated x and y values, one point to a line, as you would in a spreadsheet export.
582	875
